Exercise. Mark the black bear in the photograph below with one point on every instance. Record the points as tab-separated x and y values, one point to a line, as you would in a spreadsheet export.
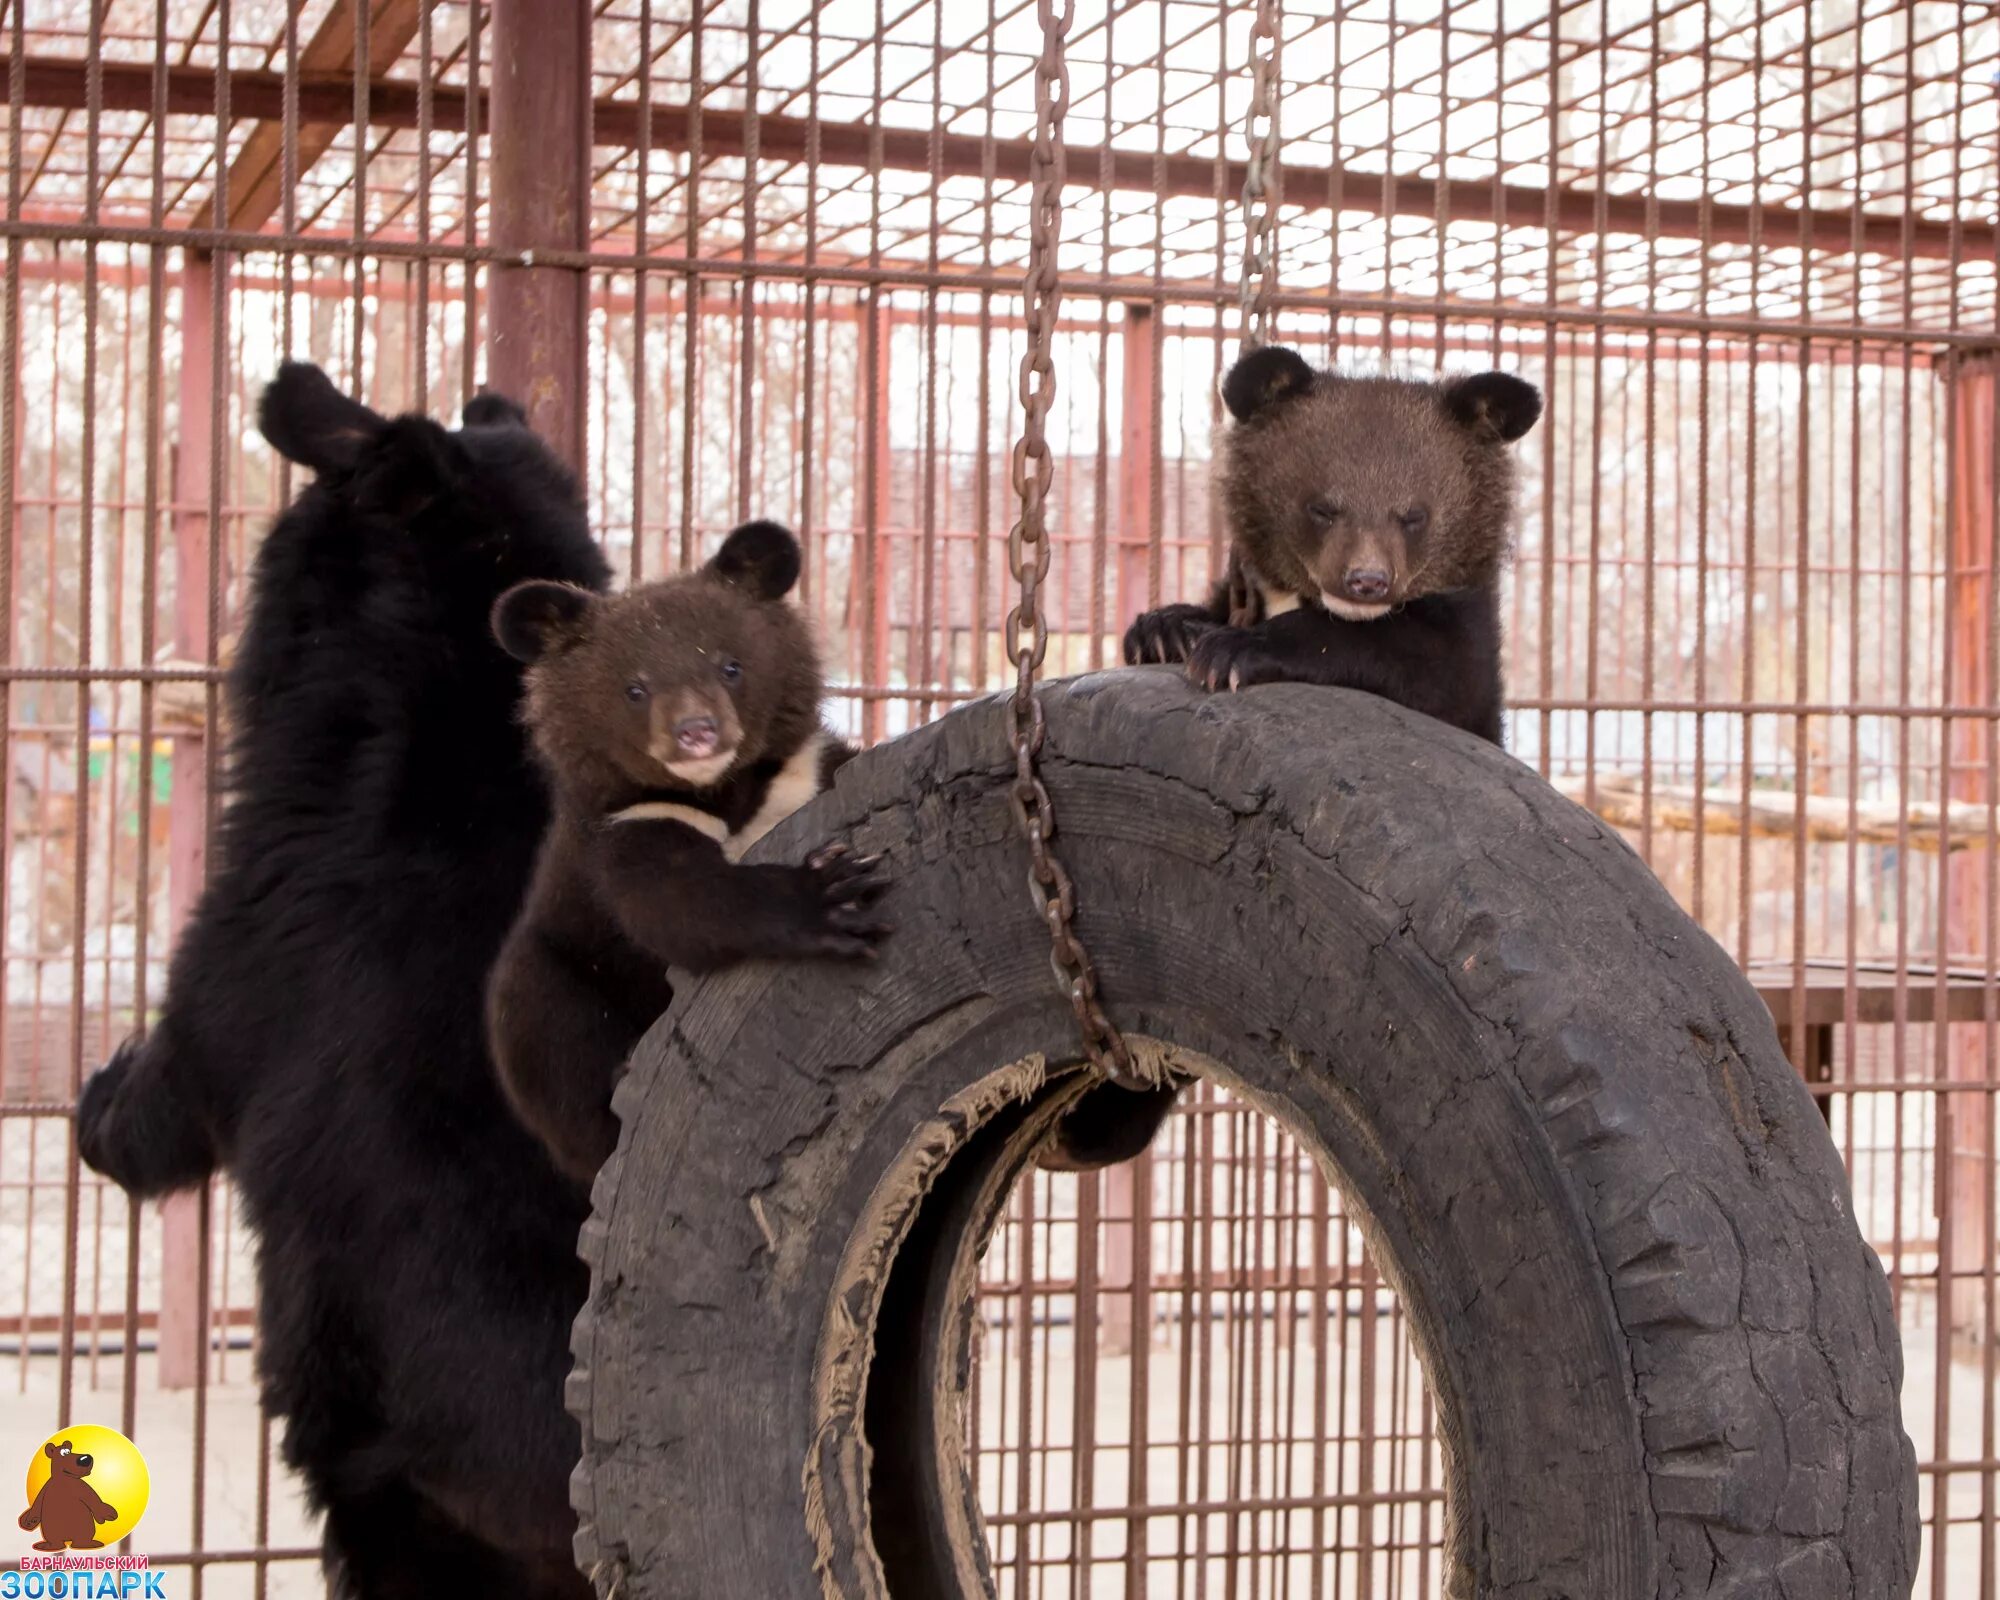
322	1038
68	1510
679	724
1368	520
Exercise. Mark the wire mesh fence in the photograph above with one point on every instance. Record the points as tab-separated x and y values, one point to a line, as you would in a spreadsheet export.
1745	247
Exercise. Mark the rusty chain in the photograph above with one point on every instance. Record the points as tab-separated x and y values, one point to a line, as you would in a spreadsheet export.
1261	181
1261	194
1028	556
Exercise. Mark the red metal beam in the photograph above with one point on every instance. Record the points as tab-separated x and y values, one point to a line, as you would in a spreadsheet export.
1138	460
183	1312
540	169
59	83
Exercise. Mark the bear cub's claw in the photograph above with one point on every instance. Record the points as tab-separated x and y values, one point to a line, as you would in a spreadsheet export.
1167	635
1234	658
842	894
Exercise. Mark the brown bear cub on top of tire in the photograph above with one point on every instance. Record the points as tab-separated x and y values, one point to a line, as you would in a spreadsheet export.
678	724
1368	520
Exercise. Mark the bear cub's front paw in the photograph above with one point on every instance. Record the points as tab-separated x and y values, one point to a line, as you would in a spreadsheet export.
841	891
1234	658
1167	635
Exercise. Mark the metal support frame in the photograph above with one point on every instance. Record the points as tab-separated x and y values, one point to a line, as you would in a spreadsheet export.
541	134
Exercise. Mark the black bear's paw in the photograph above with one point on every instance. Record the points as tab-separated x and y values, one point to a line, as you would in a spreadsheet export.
1108	1125
1167	635
97	1117
1235	658
841	892
134	1128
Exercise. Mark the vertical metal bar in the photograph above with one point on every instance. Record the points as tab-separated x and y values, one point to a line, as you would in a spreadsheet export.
12	546
1648	631
642	220
1026	1532
1748	678
364	11
1963	1232
421	310
868	571
1141	1417
809	329
86	552
923	654
1551	294
1594	586
540	175
156	314
475	86
1139	443
187	804
747	347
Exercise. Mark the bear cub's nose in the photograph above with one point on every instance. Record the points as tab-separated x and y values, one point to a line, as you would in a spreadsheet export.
1366	584
697	736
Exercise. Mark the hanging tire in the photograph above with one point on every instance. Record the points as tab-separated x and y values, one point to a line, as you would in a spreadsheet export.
1664	1361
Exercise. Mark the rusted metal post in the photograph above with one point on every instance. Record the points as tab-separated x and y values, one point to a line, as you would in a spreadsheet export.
540	172
1138	455
1971	600
1114	1297
877	558
181	1310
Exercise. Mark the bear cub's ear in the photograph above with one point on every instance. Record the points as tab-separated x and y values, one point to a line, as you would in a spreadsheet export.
489	410
1497	401
760	557
533	618
306	420
1264	377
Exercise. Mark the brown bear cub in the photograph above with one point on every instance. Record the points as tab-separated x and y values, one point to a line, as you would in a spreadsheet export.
1369	518
678	723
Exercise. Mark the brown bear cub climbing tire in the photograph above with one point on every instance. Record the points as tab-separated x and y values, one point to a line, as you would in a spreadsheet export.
1664	1360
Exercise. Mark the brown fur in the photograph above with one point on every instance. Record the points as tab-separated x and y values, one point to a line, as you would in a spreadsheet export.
1369	521
602	750
634	876
1372	450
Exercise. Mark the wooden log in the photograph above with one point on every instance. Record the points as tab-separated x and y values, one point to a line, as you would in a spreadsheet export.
1775	813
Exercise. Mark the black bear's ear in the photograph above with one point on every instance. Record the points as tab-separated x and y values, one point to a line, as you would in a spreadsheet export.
531	619
307	420
762	557
489	410
1497	401
410	463
1264	377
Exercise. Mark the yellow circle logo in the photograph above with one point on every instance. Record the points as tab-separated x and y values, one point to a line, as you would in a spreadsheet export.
87	1488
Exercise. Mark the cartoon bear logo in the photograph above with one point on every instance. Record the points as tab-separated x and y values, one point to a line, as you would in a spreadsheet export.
68	1510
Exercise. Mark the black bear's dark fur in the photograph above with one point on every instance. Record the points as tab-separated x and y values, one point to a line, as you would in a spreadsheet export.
1368	520
322	1039
679	723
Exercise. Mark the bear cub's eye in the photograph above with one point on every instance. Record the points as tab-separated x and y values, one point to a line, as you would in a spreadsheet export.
731	671
1323	511
1416	519
635	692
